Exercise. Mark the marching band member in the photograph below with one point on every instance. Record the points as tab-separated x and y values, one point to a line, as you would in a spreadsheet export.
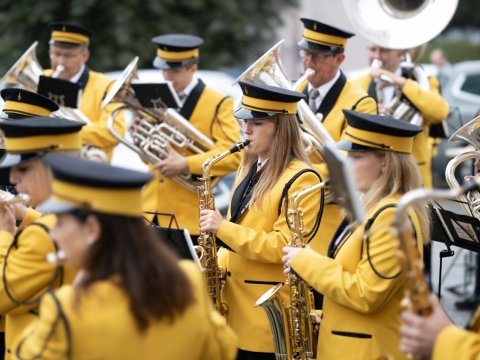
328	92
436	337
69	48
25	273
360	279
429	103
132	298
208	110
257	229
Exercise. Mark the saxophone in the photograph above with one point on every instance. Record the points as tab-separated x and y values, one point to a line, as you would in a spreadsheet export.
206	240
293	325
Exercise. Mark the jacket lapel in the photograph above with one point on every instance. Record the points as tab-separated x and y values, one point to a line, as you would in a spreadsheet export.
240	203
371	90
187	109
83	78
338	237
332	96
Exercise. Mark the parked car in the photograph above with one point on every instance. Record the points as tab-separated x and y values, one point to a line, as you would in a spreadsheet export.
124	157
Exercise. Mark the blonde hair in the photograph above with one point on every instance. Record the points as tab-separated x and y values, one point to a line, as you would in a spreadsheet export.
400	175
286	146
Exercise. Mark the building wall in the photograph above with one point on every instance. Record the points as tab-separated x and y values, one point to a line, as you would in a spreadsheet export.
330	12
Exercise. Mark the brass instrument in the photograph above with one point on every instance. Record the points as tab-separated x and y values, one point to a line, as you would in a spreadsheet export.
156	128
268	70
469	133
207	240
13	199
25	73
400	25
293	325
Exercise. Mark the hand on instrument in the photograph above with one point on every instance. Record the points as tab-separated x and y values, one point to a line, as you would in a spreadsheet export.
287	259
19	209
210	220
387	76
173	165
420	332
7	218
471	177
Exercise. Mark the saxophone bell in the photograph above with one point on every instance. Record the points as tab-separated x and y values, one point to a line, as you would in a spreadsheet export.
57	258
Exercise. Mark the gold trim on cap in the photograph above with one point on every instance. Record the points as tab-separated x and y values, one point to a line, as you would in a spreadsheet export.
70	37
177	56
12	107
126	202
43	142
324	39
379	141
270	106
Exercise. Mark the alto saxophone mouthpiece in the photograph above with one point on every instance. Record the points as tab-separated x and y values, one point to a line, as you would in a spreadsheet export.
238	146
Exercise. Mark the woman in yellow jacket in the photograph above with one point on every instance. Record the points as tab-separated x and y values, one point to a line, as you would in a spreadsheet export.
360	279
132	298
25	275
257	229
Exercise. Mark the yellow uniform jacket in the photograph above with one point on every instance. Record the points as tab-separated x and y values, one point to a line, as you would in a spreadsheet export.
102	327
343	95
28	275
254	262
456	343
433	108
95	86
361	310
210	112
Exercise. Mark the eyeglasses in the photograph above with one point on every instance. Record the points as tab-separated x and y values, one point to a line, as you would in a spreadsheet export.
316	57
66	56
374	49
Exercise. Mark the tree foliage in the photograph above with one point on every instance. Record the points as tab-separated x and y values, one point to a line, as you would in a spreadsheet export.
232	29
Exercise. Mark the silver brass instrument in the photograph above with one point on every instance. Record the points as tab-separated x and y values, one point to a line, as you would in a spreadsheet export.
400	25
12	199
156	128
26	72
207	240
293	325
469	133
268	70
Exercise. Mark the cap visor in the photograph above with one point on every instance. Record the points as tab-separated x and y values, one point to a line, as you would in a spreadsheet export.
350	146
307	45
10	160
246	114
54	207
165	65
64	44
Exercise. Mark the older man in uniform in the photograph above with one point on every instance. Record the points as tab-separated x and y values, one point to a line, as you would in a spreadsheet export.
69	48
210	112
428	102
328	92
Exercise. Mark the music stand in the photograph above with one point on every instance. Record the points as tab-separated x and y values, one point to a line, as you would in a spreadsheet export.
62	92
342	183
177	239
156	95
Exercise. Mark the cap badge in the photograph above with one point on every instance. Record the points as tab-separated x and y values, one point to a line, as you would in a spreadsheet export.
19	97
315	26
246	91
64	28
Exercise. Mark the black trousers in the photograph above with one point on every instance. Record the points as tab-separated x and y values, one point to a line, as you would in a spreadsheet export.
250	355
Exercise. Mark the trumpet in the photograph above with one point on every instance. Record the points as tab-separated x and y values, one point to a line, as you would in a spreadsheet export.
13	199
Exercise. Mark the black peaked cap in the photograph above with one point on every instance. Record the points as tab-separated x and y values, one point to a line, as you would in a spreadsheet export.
177	42
323	28
268	92
39	126
28	97
70	27
89	173
381	124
